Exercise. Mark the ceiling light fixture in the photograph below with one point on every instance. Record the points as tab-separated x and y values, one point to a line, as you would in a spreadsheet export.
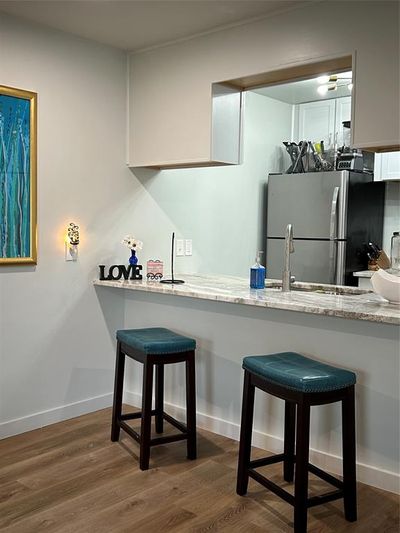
333	82
323	79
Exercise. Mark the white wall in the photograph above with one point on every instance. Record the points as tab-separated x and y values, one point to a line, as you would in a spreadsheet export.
56	342
222	208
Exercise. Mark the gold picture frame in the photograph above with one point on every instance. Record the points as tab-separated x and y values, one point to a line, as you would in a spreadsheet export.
18	176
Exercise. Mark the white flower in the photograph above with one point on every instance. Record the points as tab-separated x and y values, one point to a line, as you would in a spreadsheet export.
132	243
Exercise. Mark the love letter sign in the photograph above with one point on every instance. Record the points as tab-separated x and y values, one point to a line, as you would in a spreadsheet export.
116	272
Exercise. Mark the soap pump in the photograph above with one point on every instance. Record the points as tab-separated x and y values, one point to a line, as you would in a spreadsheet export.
257	274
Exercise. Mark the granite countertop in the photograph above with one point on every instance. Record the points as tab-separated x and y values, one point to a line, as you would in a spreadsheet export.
356	303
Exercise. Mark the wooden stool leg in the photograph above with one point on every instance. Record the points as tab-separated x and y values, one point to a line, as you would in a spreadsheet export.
245	435
145	432
290	430
349	456
118	388
301	477
191	406
159	394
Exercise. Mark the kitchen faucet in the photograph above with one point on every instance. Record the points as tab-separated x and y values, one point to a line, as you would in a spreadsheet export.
287	278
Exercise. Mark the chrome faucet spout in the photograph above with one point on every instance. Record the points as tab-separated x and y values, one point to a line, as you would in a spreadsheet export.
287	278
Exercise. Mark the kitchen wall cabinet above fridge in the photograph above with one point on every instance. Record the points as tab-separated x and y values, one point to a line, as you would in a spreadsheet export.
170	88
322	120
387	167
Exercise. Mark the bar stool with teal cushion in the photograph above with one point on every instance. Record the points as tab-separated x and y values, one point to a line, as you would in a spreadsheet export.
301	382
154	347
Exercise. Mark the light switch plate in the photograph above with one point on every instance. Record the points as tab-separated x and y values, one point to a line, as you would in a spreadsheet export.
180	250
188	247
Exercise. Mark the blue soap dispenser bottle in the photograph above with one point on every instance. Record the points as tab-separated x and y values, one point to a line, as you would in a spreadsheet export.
257	274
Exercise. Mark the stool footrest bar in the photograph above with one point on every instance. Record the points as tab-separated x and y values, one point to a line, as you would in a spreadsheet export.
131	432
137	414
325	498
157	440
282	493
325	476
170	438
272	459
174	422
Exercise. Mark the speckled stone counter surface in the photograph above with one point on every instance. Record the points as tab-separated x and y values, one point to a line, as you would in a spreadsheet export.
348	302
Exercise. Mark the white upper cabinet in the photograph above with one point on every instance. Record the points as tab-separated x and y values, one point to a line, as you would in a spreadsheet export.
387	166
317	121
167	129
322	120
170	93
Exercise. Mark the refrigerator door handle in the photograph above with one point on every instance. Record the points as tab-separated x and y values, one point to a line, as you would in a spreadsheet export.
332	235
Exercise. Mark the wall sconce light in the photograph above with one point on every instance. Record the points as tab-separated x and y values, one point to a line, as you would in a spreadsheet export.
71	242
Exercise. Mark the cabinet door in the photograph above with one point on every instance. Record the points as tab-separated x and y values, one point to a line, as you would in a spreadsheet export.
387	166
390	166
343	113
317	121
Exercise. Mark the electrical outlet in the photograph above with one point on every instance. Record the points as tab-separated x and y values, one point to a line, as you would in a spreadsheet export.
188	247
180	250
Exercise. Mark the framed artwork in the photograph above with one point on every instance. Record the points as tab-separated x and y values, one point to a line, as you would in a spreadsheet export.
18	160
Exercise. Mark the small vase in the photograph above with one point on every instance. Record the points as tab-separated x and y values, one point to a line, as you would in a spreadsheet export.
133	259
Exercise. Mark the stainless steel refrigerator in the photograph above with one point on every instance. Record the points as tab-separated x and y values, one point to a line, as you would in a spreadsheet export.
333	215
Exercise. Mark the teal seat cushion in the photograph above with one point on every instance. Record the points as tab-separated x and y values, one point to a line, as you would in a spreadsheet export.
156	340
296	372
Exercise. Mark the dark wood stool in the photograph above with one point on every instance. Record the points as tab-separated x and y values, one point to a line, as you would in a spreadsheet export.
154	347
301	382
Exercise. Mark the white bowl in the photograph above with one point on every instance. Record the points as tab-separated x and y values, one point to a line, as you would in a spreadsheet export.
386	285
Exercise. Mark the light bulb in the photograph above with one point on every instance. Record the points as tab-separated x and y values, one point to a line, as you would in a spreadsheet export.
323	79
322	89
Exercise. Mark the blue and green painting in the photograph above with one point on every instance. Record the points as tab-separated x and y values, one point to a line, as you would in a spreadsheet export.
15	186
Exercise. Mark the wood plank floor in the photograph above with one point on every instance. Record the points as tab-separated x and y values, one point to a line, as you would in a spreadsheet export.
69	477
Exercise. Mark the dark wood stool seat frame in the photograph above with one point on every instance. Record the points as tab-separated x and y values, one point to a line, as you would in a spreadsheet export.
296	448
187	431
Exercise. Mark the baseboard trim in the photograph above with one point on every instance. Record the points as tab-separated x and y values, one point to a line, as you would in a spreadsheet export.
370	475
52	416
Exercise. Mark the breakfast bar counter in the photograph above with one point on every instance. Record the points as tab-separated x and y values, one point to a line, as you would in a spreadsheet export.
344	302
351	328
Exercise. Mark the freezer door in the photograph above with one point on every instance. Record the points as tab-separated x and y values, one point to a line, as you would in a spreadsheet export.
307	201
312	261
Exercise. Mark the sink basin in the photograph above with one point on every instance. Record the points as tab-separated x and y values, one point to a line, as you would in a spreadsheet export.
337	290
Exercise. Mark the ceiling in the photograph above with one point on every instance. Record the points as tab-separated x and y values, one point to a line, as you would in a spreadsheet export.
136	24
299	92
